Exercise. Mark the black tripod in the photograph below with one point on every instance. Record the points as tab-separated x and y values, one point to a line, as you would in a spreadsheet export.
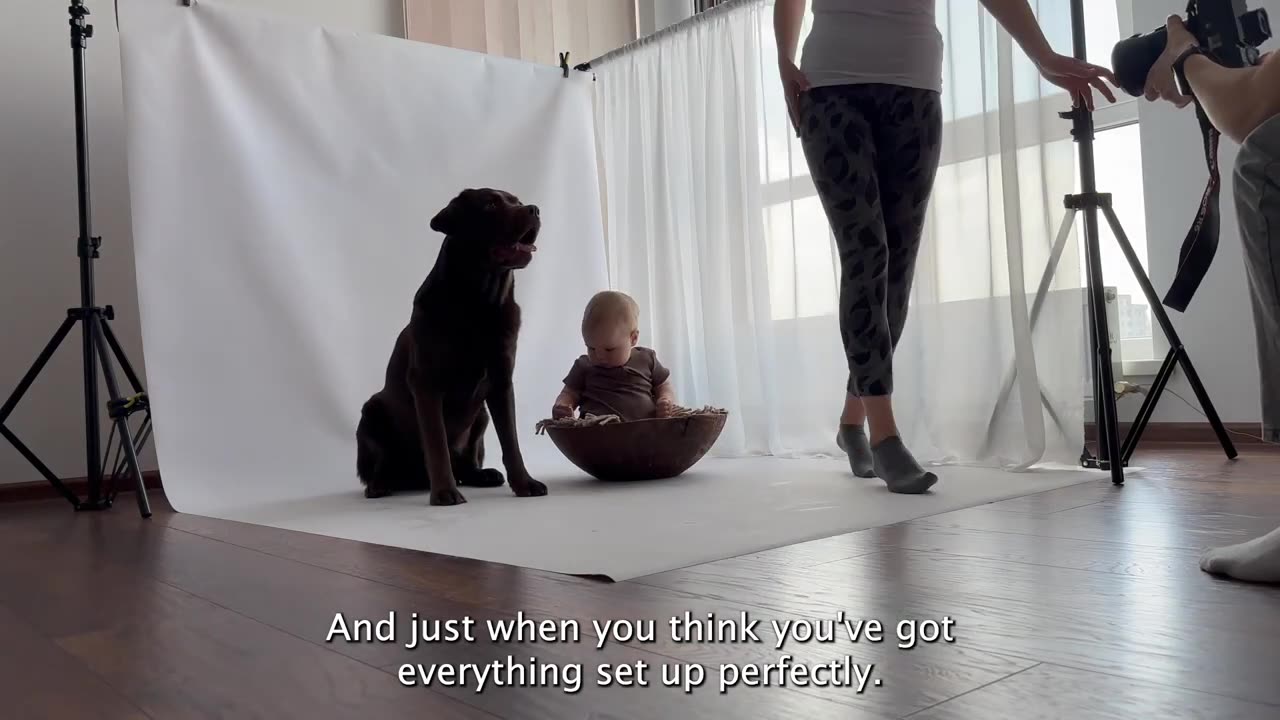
96	334
1111	455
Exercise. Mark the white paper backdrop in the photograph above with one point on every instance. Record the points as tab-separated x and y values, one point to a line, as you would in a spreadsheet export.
283	177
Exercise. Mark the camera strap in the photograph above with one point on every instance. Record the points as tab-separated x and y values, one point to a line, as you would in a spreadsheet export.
1201	243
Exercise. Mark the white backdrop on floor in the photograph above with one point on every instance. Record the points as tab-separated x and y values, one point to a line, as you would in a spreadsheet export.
283	178
714	226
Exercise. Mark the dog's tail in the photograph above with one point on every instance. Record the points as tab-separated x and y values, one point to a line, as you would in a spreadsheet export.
371	435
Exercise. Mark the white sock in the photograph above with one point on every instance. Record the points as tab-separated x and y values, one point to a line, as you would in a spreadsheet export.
1257	560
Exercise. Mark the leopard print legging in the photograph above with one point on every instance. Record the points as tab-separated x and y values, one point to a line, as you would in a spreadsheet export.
873	153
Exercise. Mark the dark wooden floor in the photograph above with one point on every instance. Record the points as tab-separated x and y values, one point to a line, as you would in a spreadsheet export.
1079	603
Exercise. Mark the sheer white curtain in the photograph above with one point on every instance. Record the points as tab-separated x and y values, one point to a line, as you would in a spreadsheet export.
714	227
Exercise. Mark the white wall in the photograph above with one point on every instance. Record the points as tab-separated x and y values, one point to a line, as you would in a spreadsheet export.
1217	328
39	275
655	15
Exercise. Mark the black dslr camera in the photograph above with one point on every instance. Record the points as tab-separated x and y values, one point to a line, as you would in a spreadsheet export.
1229	33
1225	29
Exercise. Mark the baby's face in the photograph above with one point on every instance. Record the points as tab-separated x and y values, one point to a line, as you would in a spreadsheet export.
610	348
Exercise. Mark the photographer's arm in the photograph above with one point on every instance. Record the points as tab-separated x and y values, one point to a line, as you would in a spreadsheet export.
1237	100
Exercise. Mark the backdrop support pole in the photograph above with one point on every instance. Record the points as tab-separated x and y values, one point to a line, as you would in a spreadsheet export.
99	343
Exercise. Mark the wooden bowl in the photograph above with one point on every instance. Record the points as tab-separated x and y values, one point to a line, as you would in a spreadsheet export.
652	449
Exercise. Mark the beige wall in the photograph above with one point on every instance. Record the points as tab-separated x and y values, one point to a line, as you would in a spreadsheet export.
533	30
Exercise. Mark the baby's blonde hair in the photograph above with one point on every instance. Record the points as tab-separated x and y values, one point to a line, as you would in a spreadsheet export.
610	310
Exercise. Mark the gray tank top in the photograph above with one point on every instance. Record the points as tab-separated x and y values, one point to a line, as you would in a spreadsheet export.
873	41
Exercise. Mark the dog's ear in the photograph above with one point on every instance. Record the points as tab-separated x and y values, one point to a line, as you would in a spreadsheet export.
446	221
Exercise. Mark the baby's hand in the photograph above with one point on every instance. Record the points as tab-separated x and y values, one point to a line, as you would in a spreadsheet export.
666	408
560	412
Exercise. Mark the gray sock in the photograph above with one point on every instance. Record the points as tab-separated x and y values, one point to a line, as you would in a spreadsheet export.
853	441
899	470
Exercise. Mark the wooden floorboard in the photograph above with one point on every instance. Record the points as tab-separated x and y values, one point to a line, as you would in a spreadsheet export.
1082	602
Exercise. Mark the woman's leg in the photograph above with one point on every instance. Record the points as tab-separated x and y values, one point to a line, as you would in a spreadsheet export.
835	133
839	135
908	138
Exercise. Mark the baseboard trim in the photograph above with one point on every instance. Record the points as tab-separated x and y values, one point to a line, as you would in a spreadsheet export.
1186	433
29	491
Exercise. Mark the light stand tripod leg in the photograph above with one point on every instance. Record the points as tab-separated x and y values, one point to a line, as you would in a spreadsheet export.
40	467
1148	407
121	358
93	435
1177	351
16	396
43	359
1104	399
121	418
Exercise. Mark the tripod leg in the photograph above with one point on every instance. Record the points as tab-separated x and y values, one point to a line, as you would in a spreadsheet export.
139	442
1108	435
14	398
40	467
121	358
121	420
1175	343
36	367
1149	404
1206	404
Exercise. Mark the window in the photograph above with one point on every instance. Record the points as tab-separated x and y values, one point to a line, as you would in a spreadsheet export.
800	243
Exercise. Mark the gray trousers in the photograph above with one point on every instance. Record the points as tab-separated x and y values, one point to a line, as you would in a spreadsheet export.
1257	200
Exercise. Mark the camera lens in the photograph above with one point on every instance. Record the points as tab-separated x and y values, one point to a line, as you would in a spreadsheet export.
1132	58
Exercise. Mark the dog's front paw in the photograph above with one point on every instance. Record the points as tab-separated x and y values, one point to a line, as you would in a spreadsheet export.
375	491
447	496
485	478
529	488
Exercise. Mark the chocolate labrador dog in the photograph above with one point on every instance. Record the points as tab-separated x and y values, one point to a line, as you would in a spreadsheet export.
425	429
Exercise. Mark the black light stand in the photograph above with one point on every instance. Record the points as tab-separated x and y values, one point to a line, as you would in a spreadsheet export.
99	341
1090	201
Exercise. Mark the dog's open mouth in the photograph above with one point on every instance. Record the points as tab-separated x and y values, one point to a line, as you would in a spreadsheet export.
519	253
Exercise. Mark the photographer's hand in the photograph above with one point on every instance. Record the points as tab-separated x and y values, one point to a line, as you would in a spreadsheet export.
1160	80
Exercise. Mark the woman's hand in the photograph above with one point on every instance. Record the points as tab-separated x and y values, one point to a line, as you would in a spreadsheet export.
794	84
1077	77
1160	81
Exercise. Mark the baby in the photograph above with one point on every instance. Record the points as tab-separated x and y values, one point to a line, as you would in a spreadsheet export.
615	377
